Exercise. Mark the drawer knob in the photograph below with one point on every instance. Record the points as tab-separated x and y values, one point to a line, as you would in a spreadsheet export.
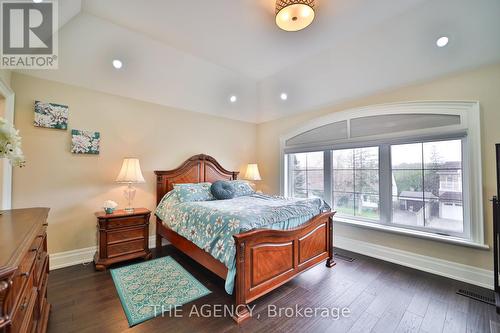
45	224
23	306
25	274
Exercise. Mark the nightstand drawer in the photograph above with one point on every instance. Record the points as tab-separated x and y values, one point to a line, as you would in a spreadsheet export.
125	221
121	222
125	235
120	249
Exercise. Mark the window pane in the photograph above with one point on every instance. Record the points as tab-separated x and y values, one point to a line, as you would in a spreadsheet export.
407	181
315	183
366	181
315	160
367	206
407	156
298	161
443	154
446	215
366	158
343	203
299	180
356	182
343	180
429	198
342	159
306	175
408	211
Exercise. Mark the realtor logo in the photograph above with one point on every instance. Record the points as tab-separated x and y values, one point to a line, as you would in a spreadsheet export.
29	38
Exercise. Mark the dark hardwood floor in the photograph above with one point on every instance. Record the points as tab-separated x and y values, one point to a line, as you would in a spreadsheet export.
381	297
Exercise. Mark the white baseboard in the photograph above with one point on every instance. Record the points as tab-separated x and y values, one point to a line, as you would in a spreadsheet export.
470	274
81	256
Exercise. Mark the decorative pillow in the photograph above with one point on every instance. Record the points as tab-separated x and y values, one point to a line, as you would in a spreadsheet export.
223	190
193	192
242	188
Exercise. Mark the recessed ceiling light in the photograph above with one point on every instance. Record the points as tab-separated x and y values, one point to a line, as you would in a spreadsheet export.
284	96
442	41
233	99
37	1
117	64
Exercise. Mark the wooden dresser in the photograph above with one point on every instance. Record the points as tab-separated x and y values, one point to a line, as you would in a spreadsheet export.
24	269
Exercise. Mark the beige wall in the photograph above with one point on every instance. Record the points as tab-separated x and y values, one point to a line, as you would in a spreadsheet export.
478	85
75	186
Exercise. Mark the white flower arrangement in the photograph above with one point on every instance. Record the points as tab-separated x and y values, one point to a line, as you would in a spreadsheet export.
110	204
10	144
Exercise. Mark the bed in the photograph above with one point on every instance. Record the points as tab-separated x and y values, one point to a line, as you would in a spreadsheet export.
264	258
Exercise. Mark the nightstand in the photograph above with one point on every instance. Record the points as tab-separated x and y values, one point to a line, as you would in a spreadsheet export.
122	236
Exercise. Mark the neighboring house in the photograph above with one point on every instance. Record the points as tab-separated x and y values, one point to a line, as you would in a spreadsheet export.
450	191
414	200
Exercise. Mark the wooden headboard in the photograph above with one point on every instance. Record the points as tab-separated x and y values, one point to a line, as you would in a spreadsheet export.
196	169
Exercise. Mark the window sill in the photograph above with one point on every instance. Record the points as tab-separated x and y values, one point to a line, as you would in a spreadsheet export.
413	233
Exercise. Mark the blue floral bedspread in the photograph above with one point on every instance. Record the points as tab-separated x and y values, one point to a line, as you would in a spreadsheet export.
212	224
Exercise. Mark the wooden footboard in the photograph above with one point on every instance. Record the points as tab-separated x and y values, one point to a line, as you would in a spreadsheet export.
266	259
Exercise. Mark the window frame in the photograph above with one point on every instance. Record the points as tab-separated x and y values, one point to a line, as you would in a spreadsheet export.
468	131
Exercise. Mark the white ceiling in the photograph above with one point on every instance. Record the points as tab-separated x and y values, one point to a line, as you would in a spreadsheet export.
194	54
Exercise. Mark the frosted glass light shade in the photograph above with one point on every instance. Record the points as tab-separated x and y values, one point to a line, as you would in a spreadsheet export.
130	172
294	15
252	172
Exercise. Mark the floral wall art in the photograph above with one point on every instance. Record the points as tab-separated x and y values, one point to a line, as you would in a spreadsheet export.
85	142
51	115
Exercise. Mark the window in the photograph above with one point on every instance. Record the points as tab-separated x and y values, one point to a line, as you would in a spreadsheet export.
356	182
305	172
407	168
427	186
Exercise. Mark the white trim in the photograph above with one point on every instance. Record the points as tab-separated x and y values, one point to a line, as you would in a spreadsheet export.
465	273
82	256
412	233
9	96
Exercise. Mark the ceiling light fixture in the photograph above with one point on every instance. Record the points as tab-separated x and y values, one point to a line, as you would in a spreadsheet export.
233	99
284	96
442	41
117	64
294	15
37	1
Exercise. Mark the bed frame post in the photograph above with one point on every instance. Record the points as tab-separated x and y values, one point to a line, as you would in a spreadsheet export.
158	236
241	310
330	262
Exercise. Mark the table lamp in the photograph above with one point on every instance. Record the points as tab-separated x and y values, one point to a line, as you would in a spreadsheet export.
252	173
130	173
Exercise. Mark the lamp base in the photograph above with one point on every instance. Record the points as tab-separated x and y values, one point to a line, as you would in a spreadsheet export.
129	210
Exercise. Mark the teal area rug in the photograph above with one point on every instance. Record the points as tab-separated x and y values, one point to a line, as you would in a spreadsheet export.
148	287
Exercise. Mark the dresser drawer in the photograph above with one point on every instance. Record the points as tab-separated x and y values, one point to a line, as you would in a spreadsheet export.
24	310
125	235
120	249
20	278
125	221
40	267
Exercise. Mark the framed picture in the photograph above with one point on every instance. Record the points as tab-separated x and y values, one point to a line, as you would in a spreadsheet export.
51	115
85	142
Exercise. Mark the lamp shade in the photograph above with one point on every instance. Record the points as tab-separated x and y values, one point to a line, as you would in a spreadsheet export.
252	172
130	172
294	15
